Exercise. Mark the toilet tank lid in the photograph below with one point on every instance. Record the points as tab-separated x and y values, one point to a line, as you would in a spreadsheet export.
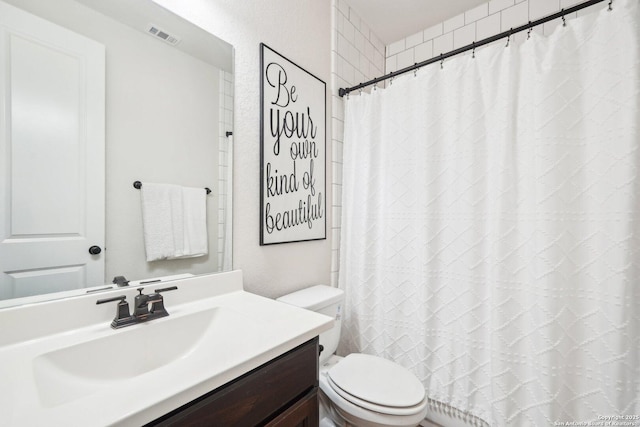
314	298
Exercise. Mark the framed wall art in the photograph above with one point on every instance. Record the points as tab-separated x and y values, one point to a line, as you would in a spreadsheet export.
292	152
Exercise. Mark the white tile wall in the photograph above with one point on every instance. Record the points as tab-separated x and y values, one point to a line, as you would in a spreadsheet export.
478	23
225	121
357	55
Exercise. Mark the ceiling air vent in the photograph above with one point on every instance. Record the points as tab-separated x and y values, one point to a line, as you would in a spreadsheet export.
162	34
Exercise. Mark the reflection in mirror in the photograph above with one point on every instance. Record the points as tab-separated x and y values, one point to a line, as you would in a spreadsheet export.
98	94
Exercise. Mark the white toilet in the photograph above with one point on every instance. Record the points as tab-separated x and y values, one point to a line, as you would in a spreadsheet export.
359	390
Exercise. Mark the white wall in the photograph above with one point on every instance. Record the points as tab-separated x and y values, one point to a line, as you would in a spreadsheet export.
299	30
162	126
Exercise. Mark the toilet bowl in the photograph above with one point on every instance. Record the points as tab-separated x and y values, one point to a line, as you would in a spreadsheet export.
359	390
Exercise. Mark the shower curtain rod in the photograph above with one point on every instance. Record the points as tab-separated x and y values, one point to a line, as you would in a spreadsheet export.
345	91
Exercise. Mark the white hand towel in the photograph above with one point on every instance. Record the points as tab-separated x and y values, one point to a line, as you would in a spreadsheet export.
194	215
174	221
162	218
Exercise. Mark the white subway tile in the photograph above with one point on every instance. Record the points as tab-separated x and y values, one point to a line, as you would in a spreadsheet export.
568	3
343	7
337	129
378	60
335	238
359	41
354	18
515	16
354	56
424	51
364	29
453	23
443	44
349	73
406	58
432	32
335	245
349	32
340	18
540	8
337	107
336	211
487	27
337	194
338	82
359	77
343	46
368	50
339	65
337	170
377	43
414	40
476	13
364	67
336	146
396	47
391	64
498	5
335	258
464	36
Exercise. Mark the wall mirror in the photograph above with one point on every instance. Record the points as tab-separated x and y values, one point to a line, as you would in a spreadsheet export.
95	95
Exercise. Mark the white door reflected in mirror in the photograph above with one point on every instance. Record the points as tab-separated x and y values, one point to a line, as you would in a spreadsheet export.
53	153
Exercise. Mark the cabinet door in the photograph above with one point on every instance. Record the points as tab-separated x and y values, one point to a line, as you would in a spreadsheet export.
303	414
271	389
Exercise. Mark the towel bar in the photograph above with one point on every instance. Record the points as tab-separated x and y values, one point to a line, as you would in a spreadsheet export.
138	185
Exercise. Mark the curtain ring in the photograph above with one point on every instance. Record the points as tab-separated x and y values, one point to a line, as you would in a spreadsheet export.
473	52
360	91
415	70
509	37
441	62
564	21
390	80
375	86
529	32
610	3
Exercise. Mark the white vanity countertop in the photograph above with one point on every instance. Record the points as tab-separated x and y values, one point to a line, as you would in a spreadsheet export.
249	331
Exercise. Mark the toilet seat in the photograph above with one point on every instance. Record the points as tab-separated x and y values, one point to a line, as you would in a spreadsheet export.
377	384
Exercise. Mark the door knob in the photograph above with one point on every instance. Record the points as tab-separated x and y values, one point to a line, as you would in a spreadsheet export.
95	250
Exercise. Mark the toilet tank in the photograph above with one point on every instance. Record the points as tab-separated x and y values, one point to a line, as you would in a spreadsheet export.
325	300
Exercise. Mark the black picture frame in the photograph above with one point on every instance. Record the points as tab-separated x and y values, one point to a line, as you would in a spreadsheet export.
292	152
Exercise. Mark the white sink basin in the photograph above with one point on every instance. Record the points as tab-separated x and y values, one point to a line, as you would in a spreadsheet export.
61	364
69	373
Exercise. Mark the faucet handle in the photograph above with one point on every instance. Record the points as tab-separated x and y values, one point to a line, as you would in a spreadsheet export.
121	298
157	301
123	317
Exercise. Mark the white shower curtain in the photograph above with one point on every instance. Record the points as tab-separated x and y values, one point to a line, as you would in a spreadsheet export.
491	226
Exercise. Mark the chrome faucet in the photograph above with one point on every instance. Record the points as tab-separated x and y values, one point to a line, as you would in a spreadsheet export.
146	307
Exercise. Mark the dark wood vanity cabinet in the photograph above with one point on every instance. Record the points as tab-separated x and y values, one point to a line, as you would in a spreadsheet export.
280	393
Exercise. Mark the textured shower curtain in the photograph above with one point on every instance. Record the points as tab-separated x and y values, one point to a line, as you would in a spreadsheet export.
491	226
